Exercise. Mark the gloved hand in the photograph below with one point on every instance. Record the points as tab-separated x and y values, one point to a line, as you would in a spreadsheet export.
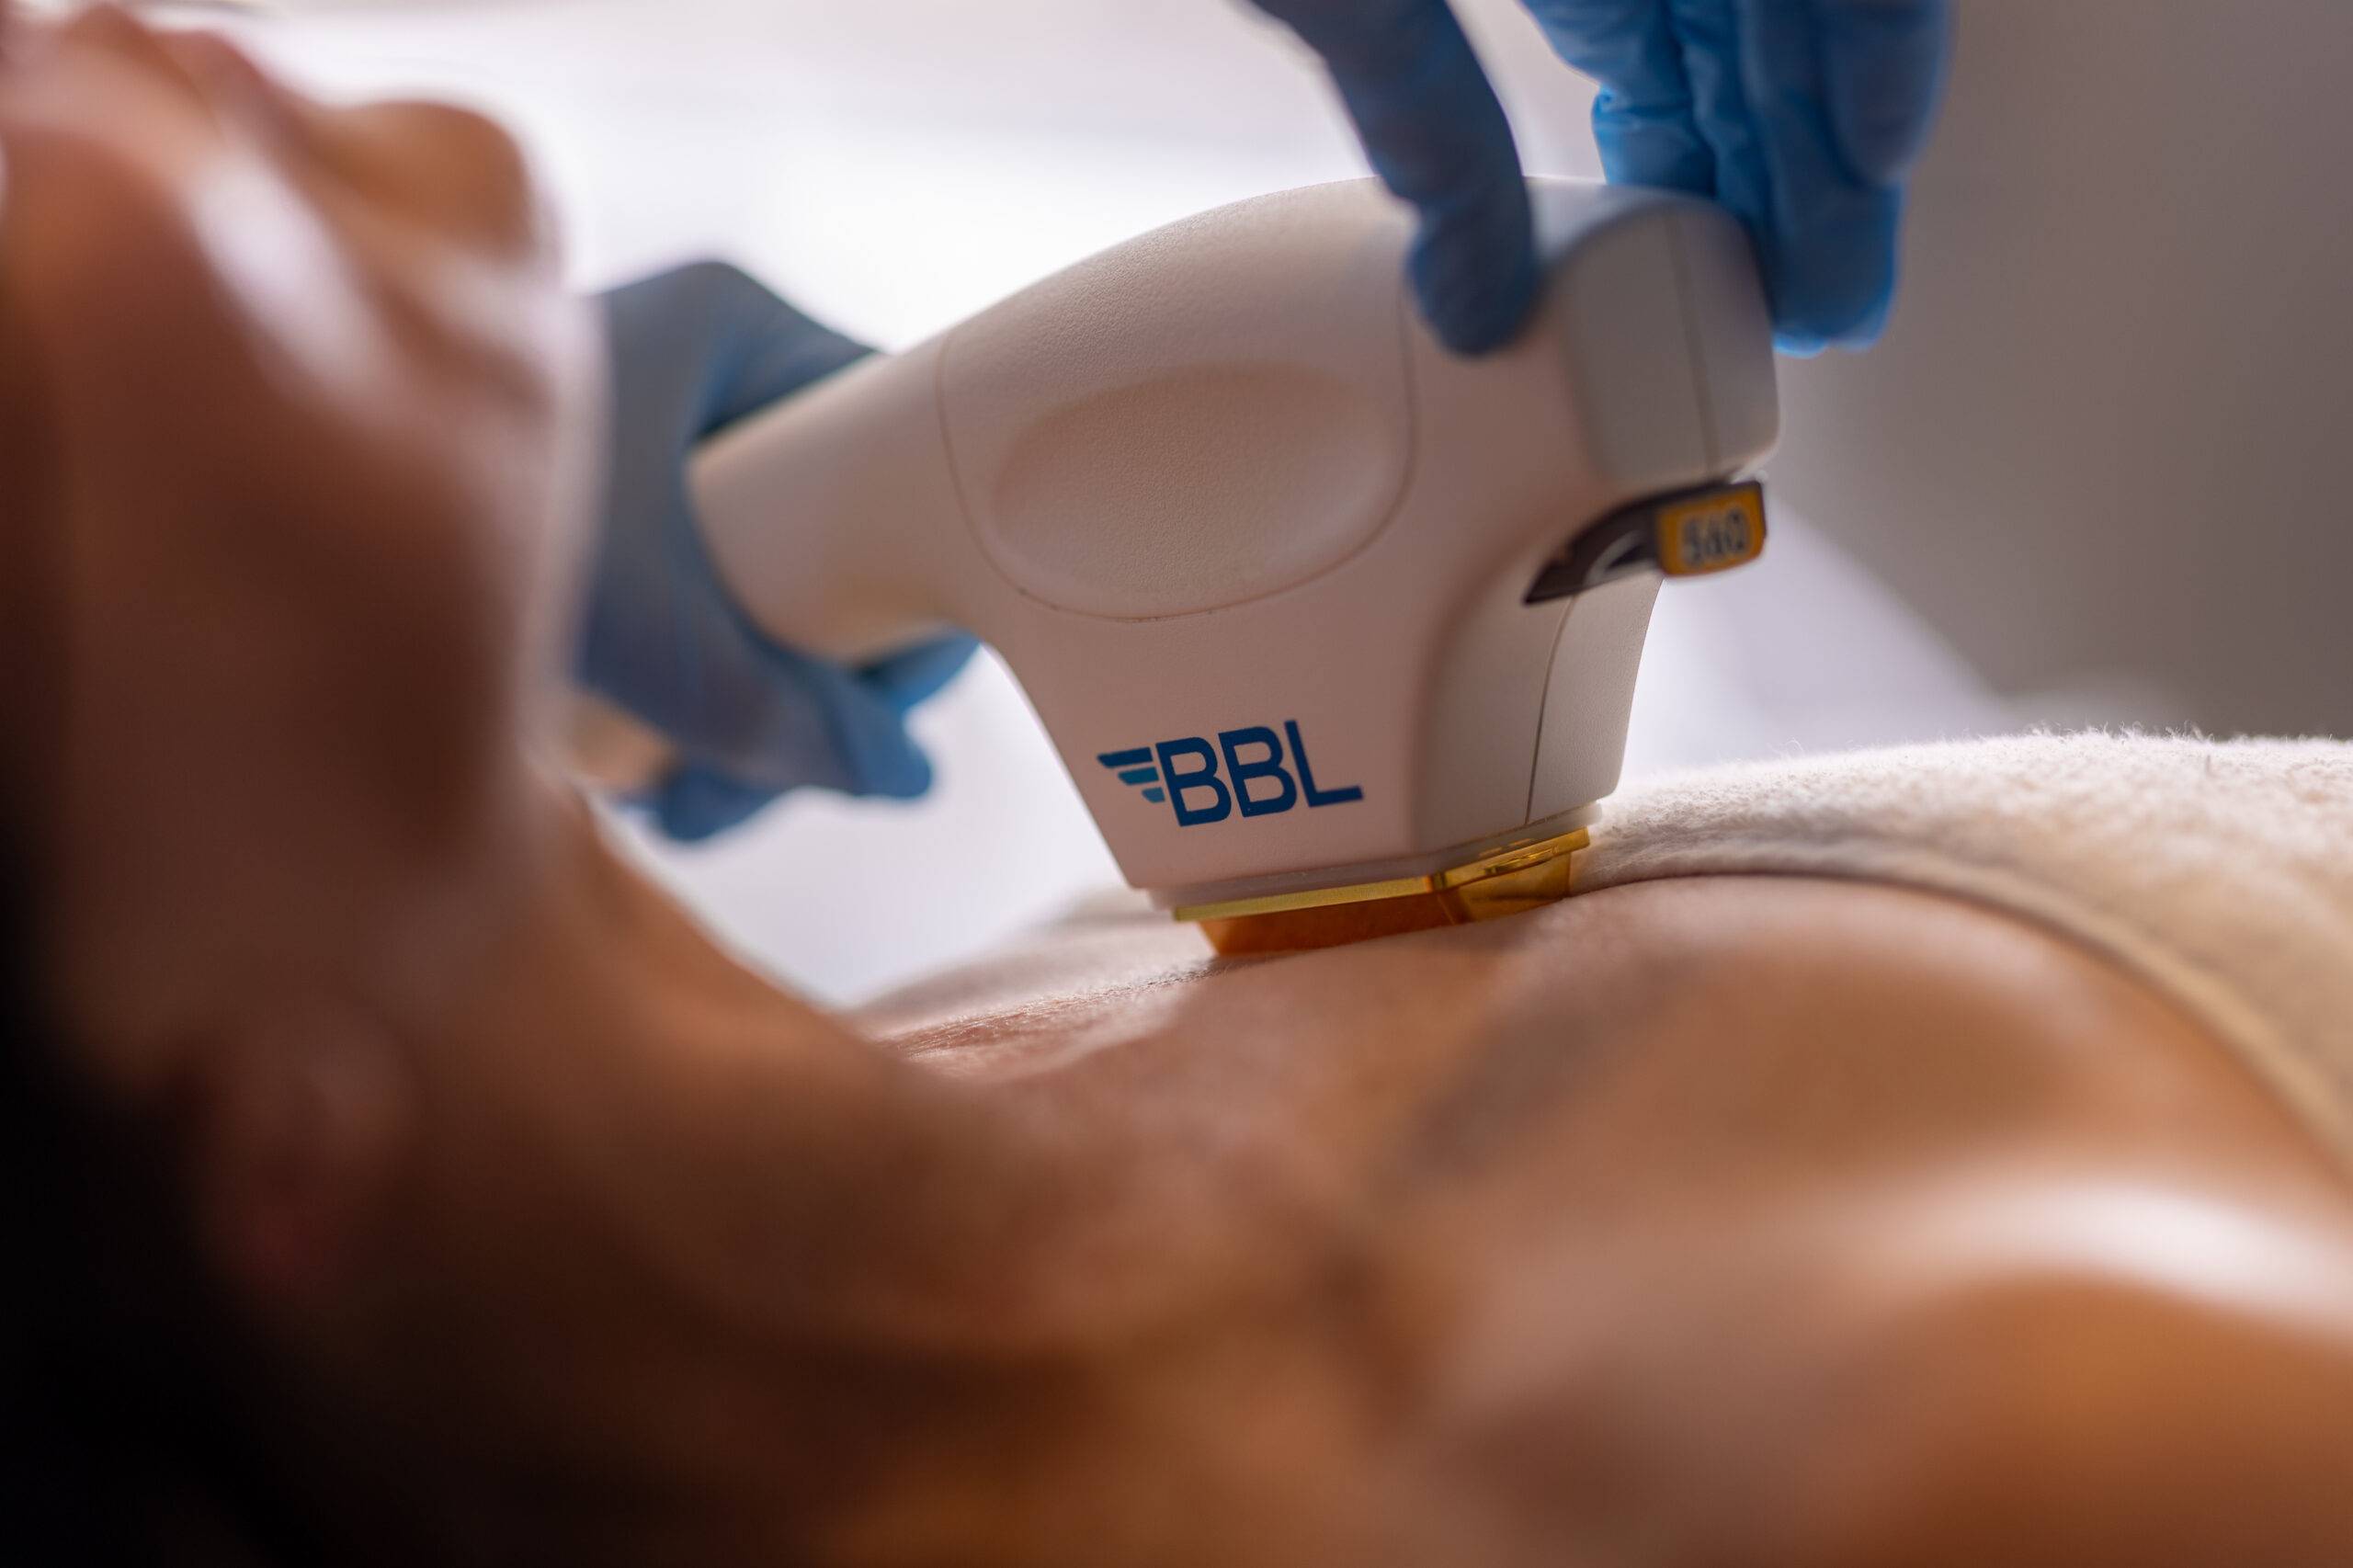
694	350
1800	116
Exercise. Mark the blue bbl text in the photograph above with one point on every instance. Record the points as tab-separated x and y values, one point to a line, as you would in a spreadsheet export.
1185	774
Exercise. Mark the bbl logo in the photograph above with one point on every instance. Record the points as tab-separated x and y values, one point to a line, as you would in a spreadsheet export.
1184	773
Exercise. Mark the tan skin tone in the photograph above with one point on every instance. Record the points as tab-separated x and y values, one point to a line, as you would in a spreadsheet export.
1715	1223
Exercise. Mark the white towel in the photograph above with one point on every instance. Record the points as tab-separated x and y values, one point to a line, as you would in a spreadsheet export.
2221	872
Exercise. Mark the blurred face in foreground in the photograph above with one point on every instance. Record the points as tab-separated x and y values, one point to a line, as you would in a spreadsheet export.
298	420
1731	1221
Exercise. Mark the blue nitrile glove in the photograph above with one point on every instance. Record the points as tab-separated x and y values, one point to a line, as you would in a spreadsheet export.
694	350
1800	116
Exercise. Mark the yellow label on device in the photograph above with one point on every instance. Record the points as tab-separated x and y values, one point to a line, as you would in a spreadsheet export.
1713	532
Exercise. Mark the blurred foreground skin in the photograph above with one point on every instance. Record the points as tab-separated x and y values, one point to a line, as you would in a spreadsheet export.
1723	1223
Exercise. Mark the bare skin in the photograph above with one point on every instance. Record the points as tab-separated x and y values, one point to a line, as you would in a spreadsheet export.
1716	1223
1806	1214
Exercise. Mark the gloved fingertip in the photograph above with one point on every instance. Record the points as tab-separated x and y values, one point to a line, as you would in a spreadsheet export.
906	775
876	754
1806	334
1833	284
694	806
1871	328
1836	313
1474	270
1481	317
1834	322
1881	152
911	678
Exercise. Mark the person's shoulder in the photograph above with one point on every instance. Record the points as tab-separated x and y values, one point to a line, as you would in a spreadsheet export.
2039	1398
1981	1250
1911	1020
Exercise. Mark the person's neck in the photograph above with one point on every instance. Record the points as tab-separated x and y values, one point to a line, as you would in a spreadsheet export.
710	1240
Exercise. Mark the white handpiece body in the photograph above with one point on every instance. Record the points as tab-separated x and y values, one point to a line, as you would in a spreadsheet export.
1256	547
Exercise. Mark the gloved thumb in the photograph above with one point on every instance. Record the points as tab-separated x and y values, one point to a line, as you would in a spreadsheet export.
866	749
774	350
870	732
915	676
695	804
864	716
705	344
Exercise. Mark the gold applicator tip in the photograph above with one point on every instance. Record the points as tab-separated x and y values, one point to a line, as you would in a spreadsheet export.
1511	881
